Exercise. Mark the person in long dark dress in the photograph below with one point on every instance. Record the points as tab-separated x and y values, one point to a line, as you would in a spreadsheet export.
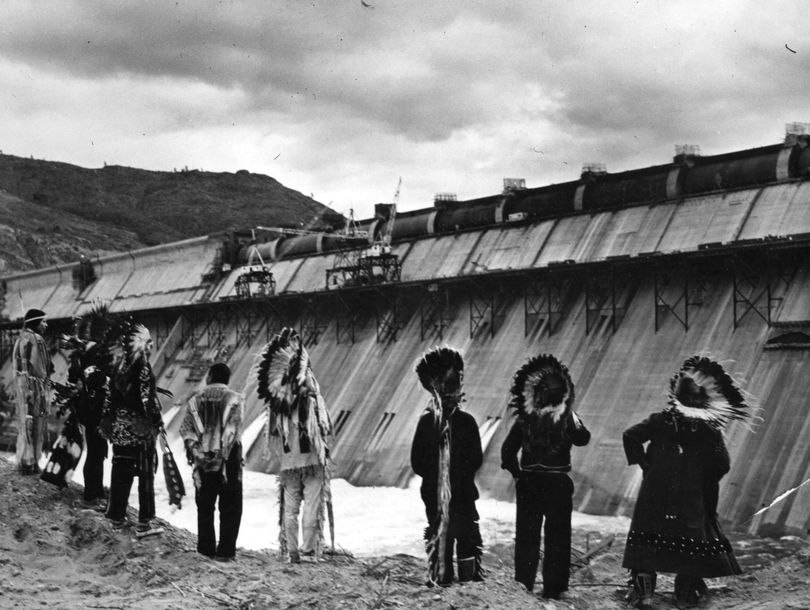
675	525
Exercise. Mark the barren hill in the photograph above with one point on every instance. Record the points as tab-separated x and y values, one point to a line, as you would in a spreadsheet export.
52	212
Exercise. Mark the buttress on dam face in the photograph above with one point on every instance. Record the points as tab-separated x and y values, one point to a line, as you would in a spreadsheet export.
621	276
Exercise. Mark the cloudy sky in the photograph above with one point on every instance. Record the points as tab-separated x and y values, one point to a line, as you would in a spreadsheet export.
341	98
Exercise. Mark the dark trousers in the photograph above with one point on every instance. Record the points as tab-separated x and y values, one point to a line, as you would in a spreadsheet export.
229	491
127	463
463	535
93	471
544	496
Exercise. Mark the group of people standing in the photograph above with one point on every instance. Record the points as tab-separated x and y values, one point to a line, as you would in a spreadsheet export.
111	399
680	450
111	393
446	453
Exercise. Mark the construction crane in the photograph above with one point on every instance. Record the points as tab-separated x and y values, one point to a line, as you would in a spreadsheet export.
389	227
350	230
255	279
377	264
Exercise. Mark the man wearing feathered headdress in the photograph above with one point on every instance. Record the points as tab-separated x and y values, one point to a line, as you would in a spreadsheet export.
32	371
298	428
84	398
89	370
674	527
446	453
132	423
545	428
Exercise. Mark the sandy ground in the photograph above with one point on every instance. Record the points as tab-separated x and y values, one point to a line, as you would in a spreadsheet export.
53	554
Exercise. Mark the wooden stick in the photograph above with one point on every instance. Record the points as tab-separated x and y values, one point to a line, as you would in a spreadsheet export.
370	569
381	593
599	548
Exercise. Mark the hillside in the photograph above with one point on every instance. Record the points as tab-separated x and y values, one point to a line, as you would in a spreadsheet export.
64	557
52	212
34	236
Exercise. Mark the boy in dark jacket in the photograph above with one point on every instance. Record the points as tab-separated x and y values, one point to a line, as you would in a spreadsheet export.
446	453
544	431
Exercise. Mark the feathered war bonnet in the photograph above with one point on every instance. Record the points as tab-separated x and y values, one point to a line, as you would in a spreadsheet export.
96	325
98	330
287	385
95	338
546	374
89	356
132	347
702	390
441	372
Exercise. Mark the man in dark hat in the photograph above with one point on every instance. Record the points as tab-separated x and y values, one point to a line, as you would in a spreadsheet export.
446	453
545	428
32	370
210	432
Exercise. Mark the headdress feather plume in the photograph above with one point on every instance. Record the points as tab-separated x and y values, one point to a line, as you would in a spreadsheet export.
275	374
286	383
716	397
130	347
535	372
434	364
89	355
98	329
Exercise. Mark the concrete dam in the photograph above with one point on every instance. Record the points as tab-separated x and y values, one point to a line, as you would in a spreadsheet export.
621	276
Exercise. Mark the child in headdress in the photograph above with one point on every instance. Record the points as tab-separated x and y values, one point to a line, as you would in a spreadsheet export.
674	527
545	428
446	453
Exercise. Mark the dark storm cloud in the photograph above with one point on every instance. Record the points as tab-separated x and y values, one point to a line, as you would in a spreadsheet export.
412	71
396	67
453	92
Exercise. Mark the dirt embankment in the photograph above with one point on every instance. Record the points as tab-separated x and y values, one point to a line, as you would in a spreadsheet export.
52	554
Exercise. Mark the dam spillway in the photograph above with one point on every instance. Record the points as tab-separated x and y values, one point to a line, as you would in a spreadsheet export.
620	292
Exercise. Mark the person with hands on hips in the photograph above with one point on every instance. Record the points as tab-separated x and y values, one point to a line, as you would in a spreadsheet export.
675	528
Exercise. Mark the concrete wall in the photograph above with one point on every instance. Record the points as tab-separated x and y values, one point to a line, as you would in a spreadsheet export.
621	377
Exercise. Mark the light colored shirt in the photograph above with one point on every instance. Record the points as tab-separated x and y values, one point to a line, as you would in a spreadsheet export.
212	425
